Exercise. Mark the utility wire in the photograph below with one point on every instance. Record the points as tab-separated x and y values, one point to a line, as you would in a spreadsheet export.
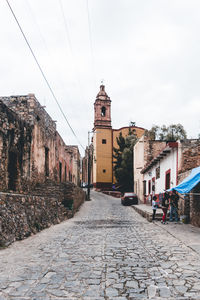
40	68
90	38
70	47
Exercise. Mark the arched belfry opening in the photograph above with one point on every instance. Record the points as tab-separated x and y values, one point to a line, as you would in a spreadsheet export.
103	111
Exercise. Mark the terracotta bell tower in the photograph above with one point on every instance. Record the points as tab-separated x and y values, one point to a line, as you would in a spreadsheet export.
102	109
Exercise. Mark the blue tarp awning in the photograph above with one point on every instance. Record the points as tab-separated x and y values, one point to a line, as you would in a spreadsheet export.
189	182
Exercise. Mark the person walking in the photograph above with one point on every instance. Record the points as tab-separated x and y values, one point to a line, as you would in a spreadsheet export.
154	207
174	198
165	206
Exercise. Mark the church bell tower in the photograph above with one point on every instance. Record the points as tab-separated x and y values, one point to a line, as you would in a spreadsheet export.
102	109
102	142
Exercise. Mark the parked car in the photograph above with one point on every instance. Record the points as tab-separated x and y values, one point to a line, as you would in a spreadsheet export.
129	199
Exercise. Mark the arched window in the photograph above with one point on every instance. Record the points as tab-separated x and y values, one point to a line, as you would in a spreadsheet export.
103	111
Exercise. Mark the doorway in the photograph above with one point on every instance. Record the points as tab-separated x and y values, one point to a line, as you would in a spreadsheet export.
12	171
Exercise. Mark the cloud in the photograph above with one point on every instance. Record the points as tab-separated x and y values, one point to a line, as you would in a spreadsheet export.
146	51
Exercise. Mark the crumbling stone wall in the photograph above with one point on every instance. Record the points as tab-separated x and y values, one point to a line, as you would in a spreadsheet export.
41	150
15	150
152	148
184	202
189	155
23	215
189	158
195	206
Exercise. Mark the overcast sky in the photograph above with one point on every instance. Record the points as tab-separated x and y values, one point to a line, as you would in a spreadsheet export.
147	52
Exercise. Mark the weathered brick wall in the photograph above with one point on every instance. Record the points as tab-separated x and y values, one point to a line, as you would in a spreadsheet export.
195	206
184	203
30	133
189	152
29	109
15	149
152	149
189	205
190	155
23	215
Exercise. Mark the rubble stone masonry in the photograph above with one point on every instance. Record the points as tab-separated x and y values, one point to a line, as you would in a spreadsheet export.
23	215
30	143
35	169
189	155
189	158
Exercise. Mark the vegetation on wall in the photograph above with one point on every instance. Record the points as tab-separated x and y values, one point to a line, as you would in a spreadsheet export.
123	161
172	132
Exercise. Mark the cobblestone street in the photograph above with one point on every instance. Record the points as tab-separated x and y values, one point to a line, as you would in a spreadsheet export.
107	251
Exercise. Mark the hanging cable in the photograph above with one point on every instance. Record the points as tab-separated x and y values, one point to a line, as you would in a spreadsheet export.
70	46
40	68
91	45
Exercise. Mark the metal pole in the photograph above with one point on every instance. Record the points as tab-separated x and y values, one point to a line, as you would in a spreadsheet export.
88	188
133	171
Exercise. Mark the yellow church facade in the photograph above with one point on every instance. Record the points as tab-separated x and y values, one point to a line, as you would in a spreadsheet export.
105	140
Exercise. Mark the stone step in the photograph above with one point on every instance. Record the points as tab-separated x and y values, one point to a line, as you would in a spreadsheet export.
146	212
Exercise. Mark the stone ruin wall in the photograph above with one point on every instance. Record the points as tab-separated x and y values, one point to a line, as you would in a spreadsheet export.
190	155
44	138
24	215
190	158
15	150
152	149
25	131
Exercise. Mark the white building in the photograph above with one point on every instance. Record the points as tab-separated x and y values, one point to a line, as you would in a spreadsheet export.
161	173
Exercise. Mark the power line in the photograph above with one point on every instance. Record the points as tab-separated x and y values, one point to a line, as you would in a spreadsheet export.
70	46
45	78
90	38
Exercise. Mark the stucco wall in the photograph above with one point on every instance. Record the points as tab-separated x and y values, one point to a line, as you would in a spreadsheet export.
102	156
167	163
144	151
139	162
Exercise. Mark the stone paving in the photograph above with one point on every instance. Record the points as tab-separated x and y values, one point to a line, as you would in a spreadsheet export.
107	251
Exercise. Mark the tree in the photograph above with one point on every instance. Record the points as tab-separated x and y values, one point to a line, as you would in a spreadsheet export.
123	163
173	132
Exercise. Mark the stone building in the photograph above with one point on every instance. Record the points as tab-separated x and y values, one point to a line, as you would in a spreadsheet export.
31	150
36	168
104	141
189	158
144	151
74	163
159	165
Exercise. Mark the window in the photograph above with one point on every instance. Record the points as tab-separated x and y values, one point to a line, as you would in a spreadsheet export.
144	187
65	173
104	170
157	172
103	111
167	179
46	166
104	141
149	187
12	171
60	171
153	184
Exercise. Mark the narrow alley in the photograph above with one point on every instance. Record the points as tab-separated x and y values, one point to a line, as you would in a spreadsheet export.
107	251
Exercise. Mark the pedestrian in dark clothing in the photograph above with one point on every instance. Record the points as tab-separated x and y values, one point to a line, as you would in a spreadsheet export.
165	206
154	207
174	198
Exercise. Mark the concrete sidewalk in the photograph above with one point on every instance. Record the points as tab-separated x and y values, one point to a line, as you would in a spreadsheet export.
186	233
147	212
